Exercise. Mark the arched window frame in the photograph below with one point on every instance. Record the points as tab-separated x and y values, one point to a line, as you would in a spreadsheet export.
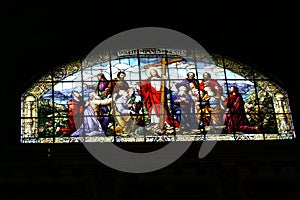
279	97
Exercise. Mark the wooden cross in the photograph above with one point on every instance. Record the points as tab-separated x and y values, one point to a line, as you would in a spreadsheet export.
163	63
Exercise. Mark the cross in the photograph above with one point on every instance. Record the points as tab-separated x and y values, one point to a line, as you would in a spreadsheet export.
163	63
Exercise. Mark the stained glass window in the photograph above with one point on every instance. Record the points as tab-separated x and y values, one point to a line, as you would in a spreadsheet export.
154	95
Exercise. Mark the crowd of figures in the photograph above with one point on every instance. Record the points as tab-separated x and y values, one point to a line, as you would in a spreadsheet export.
117	108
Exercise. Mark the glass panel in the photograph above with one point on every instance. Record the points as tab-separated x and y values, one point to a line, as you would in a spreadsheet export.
154	96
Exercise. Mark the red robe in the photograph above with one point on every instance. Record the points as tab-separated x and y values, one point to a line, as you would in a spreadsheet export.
235	118
152	99
75	117
214	85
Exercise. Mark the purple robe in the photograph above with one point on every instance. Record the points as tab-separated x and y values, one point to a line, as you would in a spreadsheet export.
90	126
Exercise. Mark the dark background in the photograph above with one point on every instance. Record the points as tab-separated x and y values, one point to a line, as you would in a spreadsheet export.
37	36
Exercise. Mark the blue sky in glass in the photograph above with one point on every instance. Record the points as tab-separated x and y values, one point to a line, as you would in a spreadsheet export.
232	75
135	73
246	88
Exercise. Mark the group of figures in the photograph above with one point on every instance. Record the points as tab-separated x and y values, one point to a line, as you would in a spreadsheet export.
116	108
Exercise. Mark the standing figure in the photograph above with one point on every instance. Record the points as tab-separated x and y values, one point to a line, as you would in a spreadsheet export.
201	100
137	106
104	91
215	86
102	88
151	91
118	83
182	107
186	82
215	108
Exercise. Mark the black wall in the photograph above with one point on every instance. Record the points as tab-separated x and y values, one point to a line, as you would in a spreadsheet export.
37	36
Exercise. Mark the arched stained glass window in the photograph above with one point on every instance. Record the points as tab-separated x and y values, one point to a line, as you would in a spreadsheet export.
154	95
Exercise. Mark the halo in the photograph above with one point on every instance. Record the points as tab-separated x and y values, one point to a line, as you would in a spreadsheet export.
150	68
